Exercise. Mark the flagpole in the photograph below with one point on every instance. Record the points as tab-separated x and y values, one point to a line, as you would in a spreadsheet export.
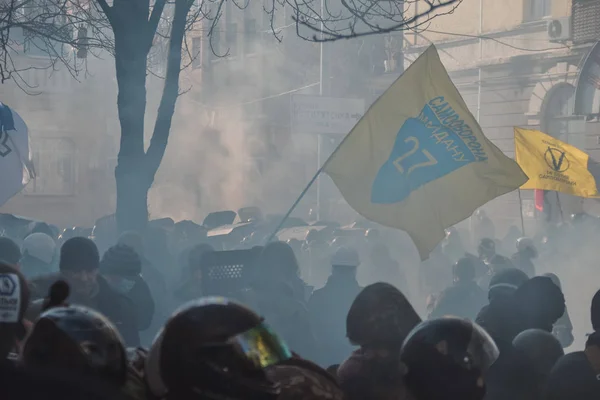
521	208
562	217
289	212
314	178
310	183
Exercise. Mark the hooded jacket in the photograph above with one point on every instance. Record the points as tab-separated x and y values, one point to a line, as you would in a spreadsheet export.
462	300
327	309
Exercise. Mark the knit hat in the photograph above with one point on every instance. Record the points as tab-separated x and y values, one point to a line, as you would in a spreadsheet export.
40	246
121	260
78	254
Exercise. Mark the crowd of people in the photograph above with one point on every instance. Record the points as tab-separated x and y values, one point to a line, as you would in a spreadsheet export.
331	313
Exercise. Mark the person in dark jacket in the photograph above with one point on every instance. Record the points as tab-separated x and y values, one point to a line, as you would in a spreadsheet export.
156	280
465	298
495	265
523	258
541	351
541	302
38	256
575	376
379	320
9	251
278	262
191	277
536	304
563	329
79	265
486	249
276	292
328	307
498	318
121	266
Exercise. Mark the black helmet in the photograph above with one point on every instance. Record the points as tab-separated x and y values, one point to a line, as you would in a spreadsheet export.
447	358
77	339
214	348
541	348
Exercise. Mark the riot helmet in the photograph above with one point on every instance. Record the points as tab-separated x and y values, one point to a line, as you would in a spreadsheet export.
486	249
77	339
526	246
541	349
447	358
214	348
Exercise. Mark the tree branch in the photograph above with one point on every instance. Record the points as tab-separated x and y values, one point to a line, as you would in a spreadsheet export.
166	108
154	20
107	10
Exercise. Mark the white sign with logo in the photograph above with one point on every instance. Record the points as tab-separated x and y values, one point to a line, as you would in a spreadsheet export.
10	298
325	115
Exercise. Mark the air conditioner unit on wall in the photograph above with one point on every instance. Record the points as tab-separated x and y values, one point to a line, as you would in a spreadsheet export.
559	30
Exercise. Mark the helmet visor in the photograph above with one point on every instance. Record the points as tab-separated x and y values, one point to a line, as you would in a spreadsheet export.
261	346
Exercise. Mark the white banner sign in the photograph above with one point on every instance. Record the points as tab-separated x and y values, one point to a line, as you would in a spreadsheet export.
15	158
325	115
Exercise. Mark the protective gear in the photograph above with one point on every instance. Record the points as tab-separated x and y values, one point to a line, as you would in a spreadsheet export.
77	339
525	244
214	348
300	379
447	359
345	256
542	350
40	246
563	328
486	249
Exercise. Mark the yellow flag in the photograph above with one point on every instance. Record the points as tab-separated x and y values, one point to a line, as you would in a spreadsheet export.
418	160
553	165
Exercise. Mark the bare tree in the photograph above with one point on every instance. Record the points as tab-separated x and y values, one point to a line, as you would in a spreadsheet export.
62	30
328	20
67	29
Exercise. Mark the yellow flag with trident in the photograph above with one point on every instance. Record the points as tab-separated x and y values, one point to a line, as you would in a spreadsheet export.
552	164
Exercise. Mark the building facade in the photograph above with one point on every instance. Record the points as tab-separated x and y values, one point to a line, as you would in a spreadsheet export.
518	63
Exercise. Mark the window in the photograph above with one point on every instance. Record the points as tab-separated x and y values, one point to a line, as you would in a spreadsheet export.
55	162
557	108
537	9
196	52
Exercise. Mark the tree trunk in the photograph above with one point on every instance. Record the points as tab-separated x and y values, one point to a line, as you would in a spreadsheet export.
131	177
136	170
